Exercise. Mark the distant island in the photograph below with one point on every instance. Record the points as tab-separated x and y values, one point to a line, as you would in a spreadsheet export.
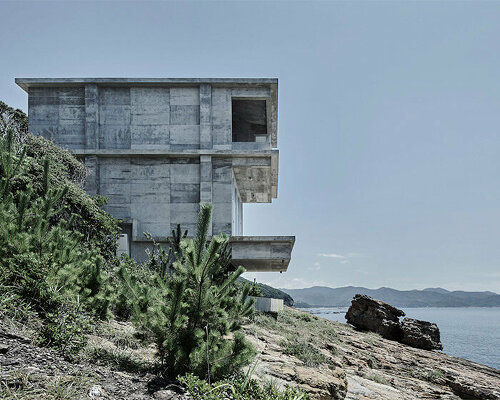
320	296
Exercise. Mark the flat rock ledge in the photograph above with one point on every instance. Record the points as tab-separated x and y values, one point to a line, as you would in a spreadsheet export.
376	316
324	382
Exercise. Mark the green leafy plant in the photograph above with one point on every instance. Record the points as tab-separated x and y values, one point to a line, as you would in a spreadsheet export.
44	262
99	229
192	306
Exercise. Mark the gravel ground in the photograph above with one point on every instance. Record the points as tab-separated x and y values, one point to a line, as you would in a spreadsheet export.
30	372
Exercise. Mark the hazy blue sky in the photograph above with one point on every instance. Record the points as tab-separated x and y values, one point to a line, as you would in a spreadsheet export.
389	119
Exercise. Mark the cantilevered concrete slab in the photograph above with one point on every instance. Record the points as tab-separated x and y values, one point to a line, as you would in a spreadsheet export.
255	253
158	147
262	253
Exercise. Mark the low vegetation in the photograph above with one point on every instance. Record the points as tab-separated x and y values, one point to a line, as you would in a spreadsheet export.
306	326
239	387
190	304
118	360
304	351
377	378
22	386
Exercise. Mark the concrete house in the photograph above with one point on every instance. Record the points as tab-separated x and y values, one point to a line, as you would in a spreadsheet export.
156	148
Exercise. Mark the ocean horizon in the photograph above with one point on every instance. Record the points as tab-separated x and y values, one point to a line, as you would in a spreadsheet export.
472	333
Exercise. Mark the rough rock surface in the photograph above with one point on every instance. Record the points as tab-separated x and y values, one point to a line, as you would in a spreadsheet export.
380	369
375	368
376	316
421	334
360	366
323	382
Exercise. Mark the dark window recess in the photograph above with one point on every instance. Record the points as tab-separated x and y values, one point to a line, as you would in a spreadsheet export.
249	120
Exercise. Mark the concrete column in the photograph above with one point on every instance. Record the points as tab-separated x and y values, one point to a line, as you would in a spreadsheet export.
91	117
92	137
205	116
206	181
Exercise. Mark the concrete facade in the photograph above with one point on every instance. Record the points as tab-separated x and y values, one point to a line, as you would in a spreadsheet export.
156	148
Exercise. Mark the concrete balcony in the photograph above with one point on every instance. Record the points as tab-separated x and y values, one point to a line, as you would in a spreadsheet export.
254	253
262	253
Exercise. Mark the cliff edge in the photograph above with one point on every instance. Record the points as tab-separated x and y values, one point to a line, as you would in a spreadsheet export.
332	359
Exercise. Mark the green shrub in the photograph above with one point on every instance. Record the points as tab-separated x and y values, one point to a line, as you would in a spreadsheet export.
44	261
191	305
238	387
64	329
377	378
431	375
16	120
99	229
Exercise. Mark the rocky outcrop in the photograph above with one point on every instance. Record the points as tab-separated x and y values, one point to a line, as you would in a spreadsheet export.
357	365
376	316
373	315
421	334
380	369
375	368
322	382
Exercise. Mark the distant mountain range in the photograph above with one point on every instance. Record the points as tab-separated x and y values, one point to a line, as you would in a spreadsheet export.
319	296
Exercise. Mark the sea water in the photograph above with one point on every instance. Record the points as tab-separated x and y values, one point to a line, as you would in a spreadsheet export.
472	333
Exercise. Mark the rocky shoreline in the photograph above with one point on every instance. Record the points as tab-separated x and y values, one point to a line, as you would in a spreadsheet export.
366	366
329	359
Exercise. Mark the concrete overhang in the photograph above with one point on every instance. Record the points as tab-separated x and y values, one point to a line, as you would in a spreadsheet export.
262	253
270	83
254	253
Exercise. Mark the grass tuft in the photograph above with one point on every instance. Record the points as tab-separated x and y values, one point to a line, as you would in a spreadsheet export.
19	385
118	360
376	378
304	351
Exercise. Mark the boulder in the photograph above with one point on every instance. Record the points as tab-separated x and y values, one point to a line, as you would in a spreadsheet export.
421	334
373	315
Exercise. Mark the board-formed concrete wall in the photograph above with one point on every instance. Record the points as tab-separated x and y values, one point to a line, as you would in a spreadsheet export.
156	150
58	114
133	117
157	193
